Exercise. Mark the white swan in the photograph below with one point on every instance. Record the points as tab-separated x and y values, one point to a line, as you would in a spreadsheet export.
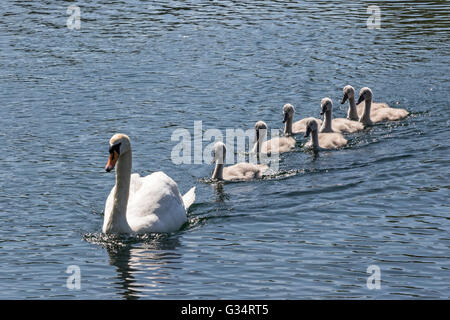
275	145
297	127
239	171
320	141
339	125
141	204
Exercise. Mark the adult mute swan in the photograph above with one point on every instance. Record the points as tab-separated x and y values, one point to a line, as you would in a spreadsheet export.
141	204
320	141
339	125
275	145
239	171
291	128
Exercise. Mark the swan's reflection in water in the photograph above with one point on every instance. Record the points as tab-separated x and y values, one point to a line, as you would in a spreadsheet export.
143	268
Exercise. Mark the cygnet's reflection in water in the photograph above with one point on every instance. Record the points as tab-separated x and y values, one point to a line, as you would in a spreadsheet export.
221	196
142	267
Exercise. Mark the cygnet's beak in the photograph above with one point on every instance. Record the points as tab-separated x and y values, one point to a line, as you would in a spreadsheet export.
285	117
344	98
360	99
308	131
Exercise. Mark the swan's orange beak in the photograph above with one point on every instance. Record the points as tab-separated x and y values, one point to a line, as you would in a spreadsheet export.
113	157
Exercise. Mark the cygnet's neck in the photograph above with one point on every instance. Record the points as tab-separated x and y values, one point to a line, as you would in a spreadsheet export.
218	171
260	138
326	125
352	113
118	221
288	126
365	118
315	139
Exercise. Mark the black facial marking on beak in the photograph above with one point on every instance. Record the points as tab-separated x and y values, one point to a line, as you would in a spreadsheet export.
308	131
285	117
344	98
360	99
257	141
115	147
324	109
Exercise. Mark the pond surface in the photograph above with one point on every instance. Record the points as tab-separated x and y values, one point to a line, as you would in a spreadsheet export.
147	69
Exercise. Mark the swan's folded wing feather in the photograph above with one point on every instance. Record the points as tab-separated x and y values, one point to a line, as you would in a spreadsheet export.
343	125
388	114
189	198
244	171
373	107
331	140
278	145
300	126
136	183
157	205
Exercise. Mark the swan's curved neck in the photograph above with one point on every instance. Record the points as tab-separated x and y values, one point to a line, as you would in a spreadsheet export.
118	221
352	113
288	126
365	118
326	125
315	139
218	171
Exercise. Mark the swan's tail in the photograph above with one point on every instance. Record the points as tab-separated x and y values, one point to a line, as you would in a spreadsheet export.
189	198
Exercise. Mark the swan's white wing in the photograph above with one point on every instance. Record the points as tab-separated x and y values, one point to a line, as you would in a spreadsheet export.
189	198
135	183
155	205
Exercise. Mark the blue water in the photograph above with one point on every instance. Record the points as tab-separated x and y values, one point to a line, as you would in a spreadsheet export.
147	69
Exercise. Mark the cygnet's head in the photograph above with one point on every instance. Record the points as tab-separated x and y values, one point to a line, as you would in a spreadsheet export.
288	112
119	144
311	126
219	152
326	104
260	131
349	93
365	94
